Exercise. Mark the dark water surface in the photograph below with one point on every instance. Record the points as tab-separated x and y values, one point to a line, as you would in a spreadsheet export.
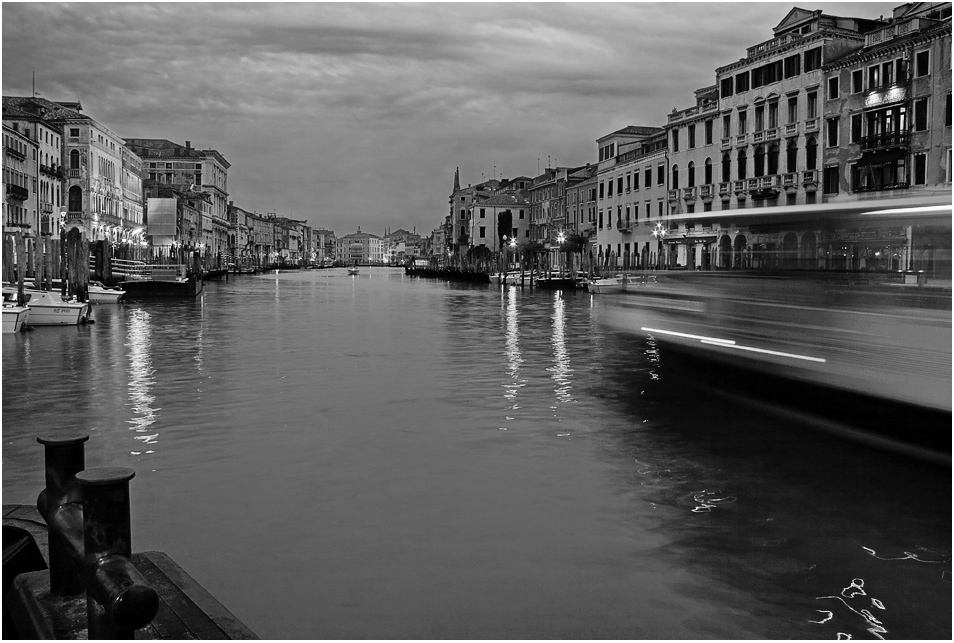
386	457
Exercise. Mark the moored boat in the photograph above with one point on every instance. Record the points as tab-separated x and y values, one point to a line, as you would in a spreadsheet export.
100	294
49	309
606	284
15	317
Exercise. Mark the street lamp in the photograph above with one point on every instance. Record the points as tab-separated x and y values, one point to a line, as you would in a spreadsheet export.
659	233
561	237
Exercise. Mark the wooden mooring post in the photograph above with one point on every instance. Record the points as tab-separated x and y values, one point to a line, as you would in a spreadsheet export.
96	587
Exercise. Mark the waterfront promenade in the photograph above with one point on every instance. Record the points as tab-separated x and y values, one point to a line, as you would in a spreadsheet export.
389	457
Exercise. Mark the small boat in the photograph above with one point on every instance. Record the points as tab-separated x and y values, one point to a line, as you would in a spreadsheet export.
352	270
14	317
605	285
49	309
100	294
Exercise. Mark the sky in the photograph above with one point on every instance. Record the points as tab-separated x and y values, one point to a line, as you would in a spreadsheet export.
356	115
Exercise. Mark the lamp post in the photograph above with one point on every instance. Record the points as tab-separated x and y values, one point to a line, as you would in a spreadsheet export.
659	233
561	237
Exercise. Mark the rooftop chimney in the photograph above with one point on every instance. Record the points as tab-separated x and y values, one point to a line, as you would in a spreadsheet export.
188	145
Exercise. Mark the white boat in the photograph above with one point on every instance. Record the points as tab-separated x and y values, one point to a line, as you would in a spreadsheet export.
353	270
100	294
607	284
14	317
49	308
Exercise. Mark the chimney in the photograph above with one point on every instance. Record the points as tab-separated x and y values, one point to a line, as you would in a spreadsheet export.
188	145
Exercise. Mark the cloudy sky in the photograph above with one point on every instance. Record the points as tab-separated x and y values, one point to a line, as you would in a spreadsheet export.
357	114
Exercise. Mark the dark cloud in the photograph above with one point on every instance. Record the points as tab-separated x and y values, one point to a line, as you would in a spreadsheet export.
357	114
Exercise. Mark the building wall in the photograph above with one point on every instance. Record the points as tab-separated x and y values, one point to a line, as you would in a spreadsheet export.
19	179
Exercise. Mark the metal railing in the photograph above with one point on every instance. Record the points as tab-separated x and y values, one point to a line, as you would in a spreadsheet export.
87	511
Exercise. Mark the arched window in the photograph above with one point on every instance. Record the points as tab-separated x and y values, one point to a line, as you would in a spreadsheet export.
691	179
811	153
773	159
74	159
708	171
759	161
791	156
741	164
726	168
675	177
75	198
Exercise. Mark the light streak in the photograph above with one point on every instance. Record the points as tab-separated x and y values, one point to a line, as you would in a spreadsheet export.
714	340
764	350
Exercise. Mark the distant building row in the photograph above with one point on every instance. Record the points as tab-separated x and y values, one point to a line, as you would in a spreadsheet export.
828	110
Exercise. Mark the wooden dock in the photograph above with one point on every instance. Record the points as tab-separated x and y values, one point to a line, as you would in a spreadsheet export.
186	609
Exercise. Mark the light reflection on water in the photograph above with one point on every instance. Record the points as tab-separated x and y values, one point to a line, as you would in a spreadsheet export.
332	466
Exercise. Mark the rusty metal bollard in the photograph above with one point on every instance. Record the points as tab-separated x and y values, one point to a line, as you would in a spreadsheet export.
87	511
65	456
119	599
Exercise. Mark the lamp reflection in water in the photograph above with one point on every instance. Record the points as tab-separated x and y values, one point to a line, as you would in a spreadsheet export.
141	378
514	357
561	371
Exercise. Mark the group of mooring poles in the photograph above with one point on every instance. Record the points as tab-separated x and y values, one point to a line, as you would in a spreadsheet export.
87	512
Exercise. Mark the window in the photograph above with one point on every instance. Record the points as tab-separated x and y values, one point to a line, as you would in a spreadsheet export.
773	115
856	128
812	59
857	81
74	133
791	156
708	126
792	109
812	104
874	77
675	140
947	111
629	182
921	63
483	228
692	136
920	169
726	87
619	185
708	171
741	164
636	180
759	118
742	82
675	177
726	168
773	159
660	204
811	153
483	213
830	178
691	175
759	169
832	132
609	188
920	115
793	66
743	124
602	188
887	74
75	199
660	174
75	159
833	88
649	177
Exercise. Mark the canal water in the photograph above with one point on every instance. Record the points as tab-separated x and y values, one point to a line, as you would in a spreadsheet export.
387	457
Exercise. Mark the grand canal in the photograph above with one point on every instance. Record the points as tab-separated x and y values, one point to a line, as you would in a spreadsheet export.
387	457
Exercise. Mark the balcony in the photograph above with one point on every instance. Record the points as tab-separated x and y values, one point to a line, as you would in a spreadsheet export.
706	191
882	141
689	194
725	188
17	192
888	186
771	134
752	184
738	187
73	174
810	178
624	225
791	129
758	137
790	181
811	125
673	195
46	207
727	143
17	154
740	139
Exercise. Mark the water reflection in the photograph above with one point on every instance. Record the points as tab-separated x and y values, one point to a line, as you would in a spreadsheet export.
561	371
514	358
141	378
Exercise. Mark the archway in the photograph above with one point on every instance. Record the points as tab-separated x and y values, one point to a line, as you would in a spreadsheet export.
725	252
740	260
808	251
790	250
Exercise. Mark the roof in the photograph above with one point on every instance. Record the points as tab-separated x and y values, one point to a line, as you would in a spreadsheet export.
47	109
502	200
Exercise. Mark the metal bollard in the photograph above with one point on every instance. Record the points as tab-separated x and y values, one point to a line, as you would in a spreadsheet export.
119	599
58	503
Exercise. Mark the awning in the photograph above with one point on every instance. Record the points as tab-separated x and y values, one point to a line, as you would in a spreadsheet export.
879	158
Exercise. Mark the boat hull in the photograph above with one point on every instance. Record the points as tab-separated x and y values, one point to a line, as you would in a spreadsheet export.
15	318
105	295
158	289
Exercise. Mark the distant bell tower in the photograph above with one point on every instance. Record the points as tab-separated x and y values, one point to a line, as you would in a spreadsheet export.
457	180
